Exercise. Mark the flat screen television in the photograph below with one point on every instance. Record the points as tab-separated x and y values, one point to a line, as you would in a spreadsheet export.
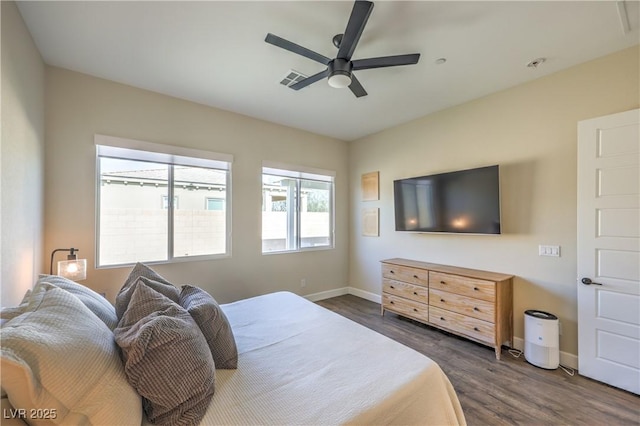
465	201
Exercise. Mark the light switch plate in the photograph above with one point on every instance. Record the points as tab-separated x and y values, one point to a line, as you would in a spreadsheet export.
545	250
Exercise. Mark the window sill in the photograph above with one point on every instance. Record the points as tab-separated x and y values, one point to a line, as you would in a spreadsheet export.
304	250
166	262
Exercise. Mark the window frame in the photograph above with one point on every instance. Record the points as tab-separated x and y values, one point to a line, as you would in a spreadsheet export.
130	149
300	173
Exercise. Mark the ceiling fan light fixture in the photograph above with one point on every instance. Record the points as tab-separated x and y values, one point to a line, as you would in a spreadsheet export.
339	73
339	79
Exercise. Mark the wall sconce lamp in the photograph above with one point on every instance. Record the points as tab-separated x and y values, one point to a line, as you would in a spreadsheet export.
73	268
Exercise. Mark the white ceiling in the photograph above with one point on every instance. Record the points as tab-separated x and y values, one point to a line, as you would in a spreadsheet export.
213	52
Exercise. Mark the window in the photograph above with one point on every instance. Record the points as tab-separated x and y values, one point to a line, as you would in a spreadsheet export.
297	208
215	204
134	227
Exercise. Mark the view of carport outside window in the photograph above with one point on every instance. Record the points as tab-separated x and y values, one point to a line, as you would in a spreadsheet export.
138	223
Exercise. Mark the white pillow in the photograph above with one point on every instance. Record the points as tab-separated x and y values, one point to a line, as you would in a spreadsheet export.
10	313
92	300
58	355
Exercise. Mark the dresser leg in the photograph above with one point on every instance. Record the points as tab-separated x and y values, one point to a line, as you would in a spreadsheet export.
498	352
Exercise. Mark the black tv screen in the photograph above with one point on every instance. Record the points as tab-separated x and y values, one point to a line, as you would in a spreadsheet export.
466	201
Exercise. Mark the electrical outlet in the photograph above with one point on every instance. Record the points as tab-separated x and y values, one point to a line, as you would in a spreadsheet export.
544	250
303	282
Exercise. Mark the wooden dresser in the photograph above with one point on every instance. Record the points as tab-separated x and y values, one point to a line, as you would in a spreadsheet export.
475	304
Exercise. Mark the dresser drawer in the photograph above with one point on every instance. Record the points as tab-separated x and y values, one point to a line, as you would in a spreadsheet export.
472	287
406	290
476	308
472	327
406	307
406	274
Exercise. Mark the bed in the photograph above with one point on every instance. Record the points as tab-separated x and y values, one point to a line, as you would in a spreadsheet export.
300	363
297	364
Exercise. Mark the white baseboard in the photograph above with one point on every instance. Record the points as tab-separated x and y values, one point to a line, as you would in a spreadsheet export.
372	297
567	359
327	294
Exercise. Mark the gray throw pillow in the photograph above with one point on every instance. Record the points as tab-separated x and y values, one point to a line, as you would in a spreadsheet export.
97	304
151	279
213	323
142	270
166	358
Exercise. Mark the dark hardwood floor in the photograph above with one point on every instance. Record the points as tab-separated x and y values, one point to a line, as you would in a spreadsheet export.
506	392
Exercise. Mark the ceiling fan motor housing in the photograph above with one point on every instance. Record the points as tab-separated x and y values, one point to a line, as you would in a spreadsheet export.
340	73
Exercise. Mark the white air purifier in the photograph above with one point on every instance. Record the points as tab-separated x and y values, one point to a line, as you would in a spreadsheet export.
542	339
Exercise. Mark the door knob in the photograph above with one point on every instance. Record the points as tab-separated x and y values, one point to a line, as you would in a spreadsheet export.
587	281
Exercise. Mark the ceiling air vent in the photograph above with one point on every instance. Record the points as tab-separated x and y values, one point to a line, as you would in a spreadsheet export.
292	77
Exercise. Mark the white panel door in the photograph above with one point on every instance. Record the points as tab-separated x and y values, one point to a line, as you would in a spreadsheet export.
609	249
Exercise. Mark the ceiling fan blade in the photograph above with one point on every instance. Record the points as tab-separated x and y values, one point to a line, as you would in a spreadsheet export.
296	48
356	87
307	81
358	19
385	61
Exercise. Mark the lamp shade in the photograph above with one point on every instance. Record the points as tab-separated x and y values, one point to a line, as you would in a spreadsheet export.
75	270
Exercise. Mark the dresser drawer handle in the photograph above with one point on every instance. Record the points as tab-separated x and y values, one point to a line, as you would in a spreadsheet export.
476	309
475	288
415	310
391	272
391	302
442	300
442	318
391	287
415	276
475	329
442	282
415	293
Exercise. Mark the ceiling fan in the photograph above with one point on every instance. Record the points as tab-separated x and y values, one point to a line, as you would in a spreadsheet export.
340	69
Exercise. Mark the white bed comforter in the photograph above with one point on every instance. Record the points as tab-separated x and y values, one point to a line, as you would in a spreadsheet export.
300	364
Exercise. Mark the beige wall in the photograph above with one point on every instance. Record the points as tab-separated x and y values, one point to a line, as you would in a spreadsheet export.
79	106
21	158
530	131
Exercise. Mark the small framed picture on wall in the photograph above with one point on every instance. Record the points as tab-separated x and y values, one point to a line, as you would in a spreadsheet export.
370	186
370	222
